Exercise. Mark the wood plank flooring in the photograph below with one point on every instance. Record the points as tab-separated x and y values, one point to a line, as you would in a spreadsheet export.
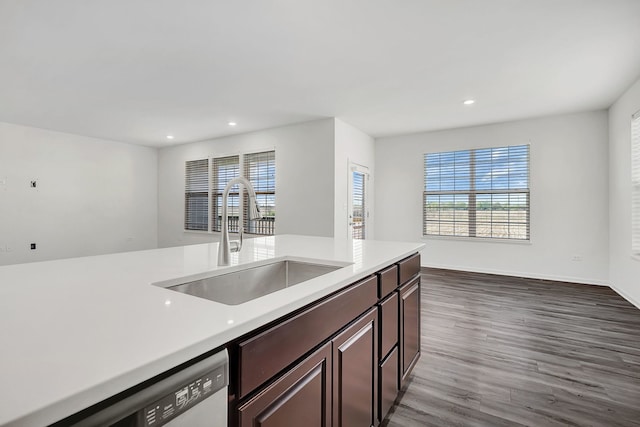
504	351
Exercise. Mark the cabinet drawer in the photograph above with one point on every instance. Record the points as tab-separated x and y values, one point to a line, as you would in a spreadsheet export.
266	354
387	281
388	324
408	268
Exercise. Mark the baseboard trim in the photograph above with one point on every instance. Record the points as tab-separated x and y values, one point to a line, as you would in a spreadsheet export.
568	279
625	296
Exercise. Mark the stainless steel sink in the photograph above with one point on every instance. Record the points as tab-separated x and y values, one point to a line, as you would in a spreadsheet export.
244	285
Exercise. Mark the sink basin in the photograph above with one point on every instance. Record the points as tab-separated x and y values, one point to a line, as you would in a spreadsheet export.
244	285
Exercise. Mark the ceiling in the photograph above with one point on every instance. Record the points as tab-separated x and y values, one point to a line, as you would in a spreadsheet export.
138	70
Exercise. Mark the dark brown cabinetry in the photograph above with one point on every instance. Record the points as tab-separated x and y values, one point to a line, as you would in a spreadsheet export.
408	268
388	369
355	371
302	396
409	327
387	281
267	353
335	386
388	324
338	362
388	382
399	328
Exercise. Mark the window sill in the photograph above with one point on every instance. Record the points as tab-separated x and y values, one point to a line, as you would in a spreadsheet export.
211	233
231	233
478	240
196	232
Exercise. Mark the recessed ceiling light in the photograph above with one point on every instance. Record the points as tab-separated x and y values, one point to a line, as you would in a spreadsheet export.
170	136
469	102
232	123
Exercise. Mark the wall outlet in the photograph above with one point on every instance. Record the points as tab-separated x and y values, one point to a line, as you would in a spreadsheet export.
576	258
33	246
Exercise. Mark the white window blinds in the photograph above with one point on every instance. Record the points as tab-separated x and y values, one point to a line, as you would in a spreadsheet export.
635	184
206	179
260	170
196	200
477	193
358	203
223	170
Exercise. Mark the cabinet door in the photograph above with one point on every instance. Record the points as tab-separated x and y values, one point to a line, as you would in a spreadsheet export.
355	373
301	397
388	382
409	327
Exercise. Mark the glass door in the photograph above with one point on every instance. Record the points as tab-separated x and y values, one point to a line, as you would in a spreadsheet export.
358	210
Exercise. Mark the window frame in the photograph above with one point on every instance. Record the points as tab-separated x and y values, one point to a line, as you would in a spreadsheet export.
361	231
267	222
217	192
213	194
189	195
472	192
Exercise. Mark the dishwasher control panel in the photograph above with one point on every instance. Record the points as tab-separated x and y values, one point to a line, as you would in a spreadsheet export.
183	398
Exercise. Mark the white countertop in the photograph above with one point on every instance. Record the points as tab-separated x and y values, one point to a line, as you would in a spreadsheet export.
76	331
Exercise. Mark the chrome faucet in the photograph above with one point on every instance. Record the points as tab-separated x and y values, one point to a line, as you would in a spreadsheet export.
226	247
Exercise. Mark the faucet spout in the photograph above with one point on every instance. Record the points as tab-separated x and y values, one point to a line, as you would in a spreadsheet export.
226	247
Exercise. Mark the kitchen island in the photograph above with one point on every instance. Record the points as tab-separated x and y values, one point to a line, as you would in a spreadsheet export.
78	331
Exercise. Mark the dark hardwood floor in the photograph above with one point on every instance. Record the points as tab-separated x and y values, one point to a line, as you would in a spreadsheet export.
504	351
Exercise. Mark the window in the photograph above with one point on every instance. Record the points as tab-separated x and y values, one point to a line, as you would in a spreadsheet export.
477	193
635	184
223	170
202	198
260	170
196	195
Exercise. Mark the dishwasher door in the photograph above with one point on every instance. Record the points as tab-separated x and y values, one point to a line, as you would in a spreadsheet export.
208	413
196	396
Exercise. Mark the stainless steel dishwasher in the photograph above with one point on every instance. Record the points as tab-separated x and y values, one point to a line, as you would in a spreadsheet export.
195	396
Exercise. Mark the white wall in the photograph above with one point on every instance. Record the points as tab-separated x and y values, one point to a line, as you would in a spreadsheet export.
352	145
569	197
92	196
304	179
624	271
